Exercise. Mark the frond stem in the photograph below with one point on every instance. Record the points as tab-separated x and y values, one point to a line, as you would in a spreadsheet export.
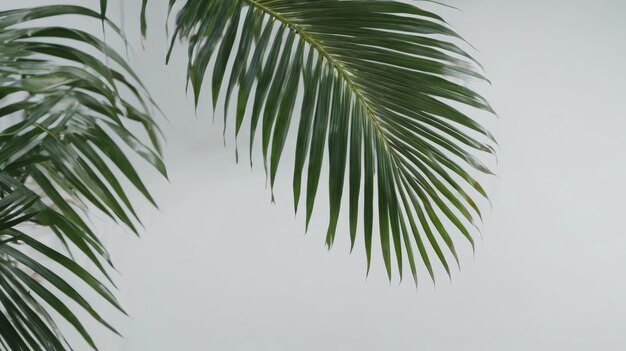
333	62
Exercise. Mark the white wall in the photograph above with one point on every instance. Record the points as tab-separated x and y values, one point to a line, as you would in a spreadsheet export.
220	268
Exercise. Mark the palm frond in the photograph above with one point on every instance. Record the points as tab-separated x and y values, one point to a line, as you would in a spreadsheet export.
65	120
378	82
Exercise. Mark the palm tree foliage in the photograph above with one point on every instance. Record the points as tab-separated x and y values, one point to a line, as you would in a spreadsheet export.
377	82
60	87
373	88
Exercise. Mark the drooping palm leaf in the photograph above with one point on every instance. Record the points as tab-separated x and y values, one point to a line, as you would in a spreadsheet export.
64	123
378	81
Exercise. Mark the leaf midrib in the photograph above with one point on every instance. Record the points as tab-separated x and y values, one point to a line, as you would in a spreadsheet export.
333	62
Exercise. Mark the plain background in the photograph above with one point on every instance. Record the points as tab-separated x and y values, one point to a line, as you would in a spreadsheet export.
220	268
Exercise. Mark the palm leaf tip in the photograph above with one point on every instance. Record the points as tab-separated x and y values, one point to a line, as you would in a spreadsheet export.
61	154
377	84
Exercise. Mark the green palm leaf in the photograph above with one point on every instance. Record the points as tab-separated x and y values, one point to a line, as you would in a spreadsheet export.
64	143
378	83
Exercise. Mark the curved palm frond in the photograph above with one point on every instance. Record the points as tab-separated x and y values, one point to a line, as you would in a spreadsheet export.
64	124
378	84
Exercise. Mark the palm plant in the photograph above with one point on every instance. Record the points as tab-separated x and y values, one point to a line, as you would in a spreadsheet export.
69	117
373	84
